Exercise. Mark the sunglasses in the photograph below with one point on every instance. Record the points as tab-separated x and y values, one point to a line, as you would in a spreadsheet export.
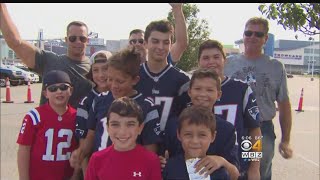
134	41
256	33
54	88
83	39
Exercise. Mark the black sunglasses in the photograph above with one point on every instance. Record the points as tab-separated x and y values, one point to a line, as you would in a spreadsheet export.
256	33
83	39
54	88
134	41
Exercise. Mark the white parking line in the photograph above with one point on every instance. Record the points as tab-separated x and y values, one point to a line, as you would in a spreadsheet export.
308	160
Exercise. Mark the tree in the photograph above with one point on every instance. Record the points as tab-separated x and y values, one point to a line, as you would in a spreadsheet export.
303	17
198	31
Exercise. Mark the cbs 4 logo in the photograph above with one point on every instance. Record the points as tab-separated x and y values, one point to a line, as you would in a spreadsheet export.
246	145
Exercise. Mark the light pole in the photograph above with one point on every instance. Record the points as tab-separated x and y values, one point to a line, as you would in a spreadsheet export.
313	60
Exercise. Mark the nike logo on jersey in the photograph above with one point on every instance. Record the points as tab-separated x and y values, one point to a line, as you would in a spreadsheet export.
254	100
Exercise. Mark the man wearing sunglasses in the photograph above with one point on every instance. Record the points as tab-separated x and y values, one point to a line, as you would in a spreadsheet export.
75	63
267	78
136	37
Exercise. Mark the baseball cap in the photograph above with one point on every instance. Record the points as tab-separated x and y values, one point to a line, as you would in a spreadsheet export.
103	56
56	76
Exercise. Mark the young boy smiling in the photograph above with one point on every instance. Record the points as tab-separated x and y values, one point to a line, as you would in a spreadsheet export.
124	159
196	131
46	138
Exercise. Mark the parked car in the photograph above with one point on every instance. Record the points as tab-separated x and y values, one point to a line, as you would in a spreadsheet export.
14	76
37	77
289	75
28	76
315	72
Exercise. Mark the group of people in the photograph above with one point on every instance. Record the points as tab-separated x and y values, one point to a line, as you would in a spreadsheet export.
134	115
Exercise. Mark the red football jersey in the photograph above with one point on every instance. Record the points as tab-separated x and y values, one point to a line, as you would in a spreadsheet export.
52	140
136	164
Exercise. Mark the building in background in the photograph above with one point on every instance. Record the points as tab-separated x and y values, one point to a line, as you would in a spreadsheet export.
297	56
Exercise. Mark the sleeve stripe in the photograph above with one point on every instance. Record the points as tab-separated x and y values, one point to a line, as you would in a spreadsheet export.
184	88
151	115
149	101
34	114
82	113
246	97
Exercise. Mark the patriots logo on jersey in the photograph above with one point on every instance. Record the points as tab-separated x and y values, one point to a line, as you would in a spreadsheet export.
254	112
157	129
251	79
80	131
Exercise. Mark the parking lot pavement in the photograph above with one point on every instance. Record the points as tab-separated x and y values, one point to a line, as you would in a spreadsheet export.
304	133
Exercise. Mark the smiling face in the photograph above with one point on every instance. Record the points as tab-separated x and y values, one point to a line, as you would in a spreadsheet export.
100	76
212	58
120	83
195	139
254	44
136	40
58	98
77	48
123	131
158	45
203	92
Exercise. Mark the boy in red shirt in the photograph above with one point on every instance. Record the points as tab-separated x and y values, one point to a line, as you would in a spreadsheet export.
124	159
46	137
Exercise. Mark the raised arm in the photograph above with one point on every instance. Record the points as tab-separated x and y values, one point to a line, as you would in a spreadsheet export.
23	49
181	34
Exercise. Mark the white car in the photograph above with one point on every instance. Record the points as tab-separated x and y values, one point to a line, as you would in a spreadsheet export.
26	74
36	77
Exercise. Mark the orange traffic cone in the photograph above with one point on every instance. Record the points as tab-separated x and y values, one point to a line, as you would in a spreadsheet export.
8	96
29	94
300	102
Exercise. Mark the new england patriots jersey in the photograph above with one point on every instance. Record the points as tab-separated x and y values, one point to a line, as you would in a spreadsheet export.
164	88
51	138
83	113
98	120
238	106
176	169
223	145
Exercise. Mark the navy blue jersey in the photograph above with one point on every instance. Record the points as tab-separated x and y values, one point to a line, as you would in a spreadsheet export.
176	169
82	114
223	145
238	106
164	88
98	122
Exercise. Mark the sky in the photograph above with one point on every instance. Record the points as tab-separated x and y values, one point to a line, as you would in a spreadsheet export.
114	21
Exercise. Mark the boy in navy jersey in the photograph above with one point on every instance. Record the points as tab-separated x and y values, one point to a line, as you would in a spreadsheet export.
204	90
124	159
98	75
123	74
159	80
196	131
237	104
46	138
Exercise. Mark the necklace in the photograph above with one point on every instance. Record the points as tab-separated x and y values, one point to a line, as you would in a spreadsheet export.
59	118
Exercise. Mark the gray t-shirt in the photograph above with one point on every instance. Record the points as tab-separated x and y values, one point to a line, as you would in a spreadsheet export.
46	61
266	77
